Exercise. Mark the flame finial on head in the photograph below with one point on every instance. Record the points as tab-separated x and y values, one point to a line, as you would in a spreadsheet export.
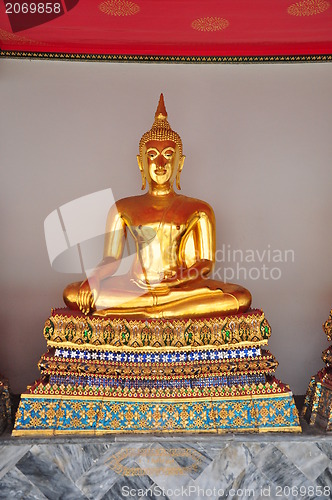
161	129
161	112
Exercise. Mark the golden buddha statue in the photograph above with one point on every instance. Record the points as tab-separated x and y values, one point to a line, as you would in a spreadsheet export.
174	237
125	367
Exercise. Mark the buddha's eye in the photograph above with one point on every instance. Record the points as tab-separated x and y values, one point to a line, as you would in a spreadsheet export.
168	154
152	154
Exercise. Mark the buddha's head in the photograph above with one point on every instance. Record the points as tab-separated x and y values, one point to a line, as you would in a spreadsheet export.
160	158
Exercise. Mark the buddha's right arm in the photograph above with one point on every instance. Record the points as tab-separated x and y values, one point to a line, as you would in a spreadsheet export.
115	237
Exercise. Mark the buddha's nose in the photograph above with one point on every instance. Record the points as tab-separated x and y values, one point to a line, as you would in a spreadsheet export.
161	161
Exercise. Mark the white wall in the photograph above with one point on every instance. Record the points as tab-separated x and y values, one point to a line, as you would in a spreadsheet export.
258	144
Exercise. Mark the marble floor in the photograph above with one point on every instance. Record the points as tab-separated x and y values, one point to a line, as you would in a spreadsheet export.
167	467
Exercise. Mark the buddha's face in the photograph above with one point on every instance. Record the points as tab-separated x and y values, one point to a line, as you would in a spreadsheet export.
161	161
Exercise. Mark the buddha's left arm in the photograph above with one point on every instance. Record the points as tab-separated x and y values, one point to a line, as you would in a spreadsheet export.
115	236
197	248
204	235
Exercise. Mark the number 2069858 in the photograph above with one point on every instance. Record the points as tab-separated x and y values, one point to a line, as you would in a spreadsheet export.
33	8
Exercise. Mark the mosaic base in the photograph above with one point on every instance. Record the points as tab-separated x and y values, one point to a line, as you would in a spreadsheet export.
91	415
327	356
164	364
70	328
5	406
317	409
103	375
271	386
327	327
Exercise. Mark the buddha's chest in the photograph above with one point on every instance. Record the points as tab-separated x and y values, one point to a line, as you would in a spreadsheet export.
161	234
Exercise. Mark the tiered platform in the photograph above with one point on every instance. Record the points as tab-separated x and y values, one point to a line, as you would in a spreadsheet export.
104	375
5	408
317	409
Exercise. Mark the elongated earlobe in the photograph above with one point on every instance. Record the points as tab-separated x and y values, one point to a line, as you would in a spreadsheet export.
140	166
178	174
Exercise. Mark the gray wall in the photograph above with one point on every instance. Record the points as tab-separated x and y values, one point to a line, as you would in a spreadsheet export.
258	146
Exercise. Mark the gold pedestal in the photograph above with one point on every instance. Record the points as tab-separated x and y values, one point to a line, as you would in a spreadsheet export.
5	406
317	408
104	375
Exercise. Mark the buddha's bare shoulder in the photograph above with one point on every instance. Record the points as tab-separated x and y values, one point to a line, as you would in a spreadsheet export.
128	204
194	205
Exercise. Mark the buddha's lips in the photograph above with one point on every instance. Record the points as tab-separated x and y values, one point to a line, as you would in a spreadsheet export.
160	171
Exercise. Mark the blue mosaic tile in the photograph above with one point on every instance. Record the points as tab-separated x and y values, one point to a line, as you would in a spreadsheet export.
164	357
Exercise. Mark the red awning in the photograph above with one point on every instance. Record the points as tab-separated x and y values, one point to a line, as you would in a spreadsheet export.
168	30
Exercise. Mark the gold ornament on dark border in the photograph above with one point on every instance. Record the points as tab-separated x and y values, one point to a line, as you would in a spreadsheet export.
148	58
266	364
105	333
